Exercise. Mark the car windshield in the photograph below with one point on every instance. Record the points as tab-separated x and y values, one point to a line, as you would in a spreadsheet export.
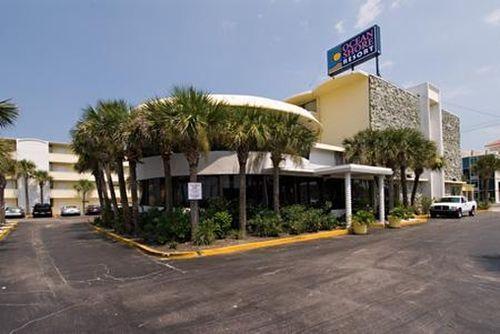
71	207
450	200
10	209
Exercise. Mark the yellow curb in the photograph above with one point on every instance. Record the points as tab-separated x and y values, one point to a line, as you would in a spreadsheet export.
377	225
223	250
417	221
10	227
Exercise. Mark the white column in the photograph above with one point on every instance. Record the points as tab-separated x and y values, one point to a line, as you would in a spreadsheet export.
348	202
381	198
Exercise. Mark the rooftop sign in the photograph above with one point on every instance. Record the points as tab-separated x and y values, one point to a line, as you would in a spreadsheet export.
354	51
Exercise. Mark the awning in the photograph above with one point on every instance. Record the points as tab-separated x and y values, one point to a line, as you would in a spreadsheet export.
353	169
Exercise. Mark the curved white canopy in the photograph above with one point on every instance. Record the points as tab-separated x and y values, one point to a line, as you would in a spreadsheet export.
267	104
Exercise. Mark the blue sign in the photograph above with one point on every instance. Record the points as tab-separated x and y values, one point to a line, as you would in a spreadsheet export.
354	51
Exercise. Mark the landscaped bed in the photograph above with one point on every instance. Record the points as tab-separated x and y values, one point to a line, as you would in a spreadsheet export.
218	227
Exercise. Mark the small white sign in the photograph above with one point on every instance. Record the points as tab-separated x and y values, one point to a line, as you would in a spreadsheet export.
194	191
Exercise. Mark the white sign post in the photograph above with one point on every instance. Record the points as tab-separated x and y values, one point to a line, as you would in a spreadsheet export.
194	191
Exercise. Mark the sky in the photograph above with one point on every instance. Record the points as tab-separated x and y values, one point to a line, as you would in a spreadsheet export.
57	57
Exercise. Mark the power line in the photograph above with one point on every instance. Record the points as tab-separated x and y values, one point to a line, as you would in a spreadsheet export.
480	127
472	109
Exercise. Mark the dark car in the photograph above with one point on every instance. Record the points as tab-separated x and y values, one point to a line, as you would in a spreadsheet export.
42	210
92	210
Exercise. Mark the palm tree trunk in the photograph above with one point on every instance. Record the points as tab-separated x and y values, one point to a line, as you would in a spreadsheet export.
26	195
123	194
84	199
266	195
404	186
193	158
391	192
3	183
168	200
98	188
276	183
114	203
242	161
41	192
104	190
135	197
415	187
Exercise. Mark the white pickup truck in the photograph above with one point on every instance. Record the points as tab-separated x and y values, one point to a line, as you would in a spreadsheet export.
455	206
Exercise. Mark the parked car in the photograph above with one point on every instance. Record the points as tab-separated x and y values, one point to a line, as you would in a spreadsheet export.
14	212
455	206
70	210
92	210
42	210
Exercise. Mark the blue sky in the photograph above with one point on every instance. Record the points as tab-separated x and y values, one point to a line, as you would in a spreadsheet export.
59	56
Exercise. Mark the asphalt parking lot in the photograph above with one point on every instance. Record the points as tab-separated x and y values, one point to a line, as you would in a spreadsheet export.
58	276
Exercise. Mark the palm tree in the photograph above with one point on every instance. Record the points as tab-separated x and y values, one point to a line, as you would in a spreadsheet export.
160	118
25	169
196	115
136	134
88	161
83	187
424	156
377	148
102	128
485	168
112	117
243	131
8	113
7	167
42	177
285	136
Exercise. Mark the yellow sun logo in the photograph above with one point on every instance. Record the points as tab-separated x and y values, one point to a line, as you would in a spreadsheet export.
336	56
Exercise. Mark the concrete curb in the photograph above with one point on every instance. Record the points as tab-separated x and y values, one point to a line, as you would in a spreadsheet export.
222	250
417	221
9	227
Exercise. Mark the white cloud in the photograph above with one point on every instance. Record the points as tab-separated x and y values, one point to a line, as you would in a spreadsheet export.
368	12
484	69
339	27
228	25
456	92
387	64
397	3
493	18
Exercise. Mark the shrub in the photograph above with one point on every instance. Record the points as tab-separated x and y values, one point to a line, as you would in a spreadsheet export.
313	218
402	213
363	217
156	227
483	205
294	218
222	220
425	204
205	233
180	227
329	222
265	224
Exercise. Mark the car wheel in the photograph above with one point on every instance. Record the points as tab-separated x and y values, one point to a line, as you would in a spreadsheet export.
472	212
459	213
433	215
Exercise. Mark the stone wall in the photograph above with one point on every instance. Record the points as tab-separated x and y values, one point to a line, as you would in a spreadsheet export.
391	106
451	146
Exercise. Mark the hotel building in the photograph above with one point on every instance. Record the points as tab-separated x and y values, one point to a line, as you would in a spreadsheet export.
341	107
59	160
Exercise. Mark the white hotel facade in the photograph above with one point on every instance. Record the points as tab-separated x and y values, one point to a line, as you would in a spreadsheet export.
59	160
